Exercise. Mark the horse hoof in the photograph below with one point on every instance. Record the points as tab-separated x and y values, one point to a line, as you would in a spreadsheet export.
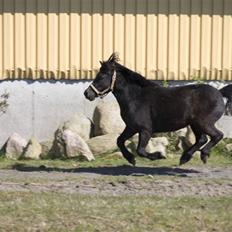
182	162
184	159
132	161
204	158
156	155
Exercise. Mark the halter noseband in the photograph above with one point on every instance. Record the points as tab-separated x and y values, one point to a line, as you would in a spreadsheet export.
104	92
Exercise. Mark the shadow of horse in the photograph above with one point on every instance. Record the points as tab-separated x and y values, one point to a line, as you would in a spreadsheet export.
124	170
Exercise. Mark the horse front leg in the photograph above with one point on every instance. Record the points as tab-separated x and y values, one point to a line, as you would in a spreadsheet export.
126	134
144	137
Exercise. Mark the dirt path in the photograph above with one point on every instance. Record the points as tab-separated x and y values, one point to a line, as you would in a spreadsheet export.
157	181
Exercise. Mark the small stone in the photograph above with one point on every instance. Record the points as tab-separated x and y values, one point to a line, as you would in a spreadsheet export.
229	147
112	183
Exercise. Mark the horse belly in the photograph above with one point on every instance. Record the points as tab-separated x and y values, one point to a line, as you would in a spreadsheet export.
167	127
166	123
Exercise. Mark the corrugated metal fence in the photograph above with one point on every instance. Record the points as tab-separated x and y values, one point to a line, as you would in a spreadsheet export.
162	39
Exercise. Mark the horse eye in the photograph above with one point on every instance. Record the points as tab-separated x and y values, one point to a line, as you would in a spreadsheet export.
101	77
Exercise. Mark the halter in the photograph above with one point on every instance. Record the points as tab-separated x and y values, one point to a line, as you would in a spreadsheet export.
104	92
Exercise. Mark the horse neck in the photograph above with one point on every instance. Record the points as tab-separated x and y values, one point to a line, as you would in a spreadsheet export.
125	91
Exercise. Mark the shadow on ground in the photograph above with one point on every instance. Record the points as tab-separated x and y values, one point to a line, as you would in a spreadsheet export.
124	170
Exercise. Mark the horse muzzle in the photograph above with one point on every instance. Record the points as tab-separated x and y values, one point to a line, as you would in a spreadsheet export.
90	94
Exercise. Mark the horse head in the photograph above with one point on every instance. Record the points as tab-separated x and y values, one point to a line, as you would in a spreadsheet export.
104	81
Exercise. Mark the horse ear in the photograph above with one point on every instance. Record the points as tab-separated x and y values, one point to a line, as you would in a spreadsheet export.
114	58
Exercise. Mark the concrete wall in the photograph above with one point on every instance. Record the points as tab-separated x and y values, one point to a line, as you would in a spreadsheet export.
37	108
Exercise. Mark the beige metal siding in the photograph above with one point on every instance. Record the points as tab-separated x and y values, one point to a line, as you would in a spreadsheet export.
161	39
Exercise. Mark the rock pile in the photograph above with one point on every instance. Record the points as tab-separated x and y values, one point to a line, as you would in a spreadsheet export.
80	137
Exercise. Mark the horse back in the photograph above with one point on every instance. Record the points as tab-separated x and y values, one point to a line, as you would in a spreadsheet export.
176	107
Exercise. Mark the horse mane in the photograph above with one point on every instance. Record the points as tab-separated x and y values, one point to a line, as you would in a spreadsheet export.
134	77
130	76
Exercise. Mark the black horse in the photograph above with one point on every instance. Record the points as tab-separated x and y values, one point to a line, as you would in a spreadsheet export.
227	93
147	108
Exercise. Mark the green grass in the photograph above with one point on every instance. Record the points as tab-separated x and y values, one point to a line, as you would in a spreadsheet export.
219	157
214	161
62	212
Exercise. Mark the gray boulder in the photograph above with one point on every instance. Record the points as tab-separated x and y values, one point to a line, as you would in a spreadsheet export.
103	144
80	125
157	144
225	125
107	118
180	133
69	144
46	148
180	144
116	154
190	138
33	150
186	138
15	146
76	146
58	146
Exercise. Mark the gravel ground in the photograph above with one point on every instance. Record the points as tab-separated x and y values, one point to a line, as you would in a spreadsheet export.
122	180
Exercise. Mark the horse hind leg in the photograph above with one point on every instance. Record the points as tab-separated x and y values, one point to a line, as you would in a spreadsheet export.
215	136
144	137
201	139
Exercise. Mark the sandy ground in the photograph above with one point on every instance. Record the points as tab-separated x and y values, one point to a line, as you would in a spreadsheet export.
122	180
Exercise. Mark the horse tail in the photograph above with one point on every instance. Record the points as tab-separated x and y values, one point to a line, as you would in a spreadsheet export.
227	93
